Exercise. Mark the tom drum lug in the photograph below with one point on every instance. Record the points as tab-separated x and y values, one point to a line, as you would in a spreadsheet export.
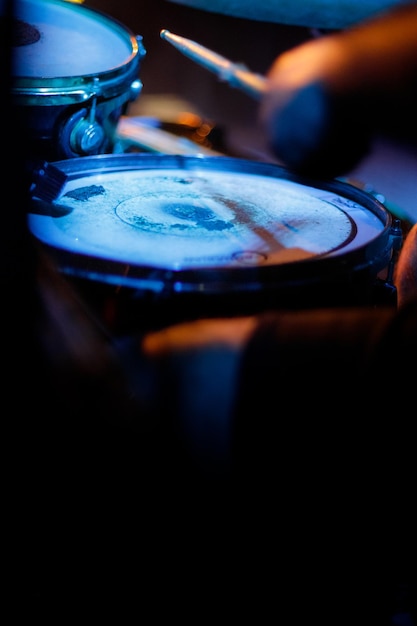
396	234
137	85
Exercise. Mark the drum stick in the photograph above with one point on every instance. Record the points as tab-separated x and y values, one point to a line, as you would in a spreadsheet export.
133	131
236	74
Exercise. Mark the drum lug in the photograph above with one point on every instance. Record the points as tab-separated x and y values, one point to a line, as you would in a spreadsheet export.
397	238
385	291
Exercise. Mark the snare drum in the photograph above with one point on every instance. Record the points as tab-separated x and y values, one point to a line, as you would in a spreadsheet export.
163	238
74	72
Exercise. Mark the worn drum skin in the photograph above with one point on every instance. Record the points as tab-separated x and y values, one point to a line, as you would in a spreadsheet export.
170	237
74	72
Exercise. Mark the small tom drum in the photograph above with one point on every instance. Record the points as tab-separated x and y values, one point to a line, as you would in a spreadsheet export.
171	237
74	71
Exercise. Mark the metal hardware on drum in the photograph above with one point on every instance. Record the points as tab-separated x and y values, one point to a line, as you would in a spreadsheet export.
236	74
386	283
75	70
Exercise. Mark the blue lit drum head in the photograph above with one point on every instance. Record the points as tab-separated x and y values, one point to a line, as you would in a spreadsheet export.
178	219
206	225
63	39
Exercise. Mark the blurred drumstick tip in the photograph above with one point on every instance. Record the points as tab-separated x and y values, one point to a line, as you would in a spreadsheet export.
236	74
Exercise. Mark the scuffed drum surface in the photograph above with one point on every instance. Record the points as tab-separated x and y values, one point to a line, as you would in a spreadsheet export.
170	218
71	41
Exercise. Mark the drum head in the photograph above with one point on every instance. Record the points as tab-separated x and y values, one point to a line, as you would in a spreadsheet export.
61	39
207	225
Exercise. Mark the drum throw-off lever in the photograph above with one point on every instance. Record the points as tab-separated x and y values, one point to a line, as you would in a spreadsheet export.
47	182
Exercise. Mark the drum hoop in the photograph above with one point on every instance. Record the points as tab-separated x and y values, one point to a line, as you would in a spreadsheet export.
69	90
216	281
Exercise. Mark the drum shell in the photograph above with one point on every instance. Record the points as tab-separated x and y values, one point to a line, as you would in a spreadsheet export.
129	296
48	128
52	100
